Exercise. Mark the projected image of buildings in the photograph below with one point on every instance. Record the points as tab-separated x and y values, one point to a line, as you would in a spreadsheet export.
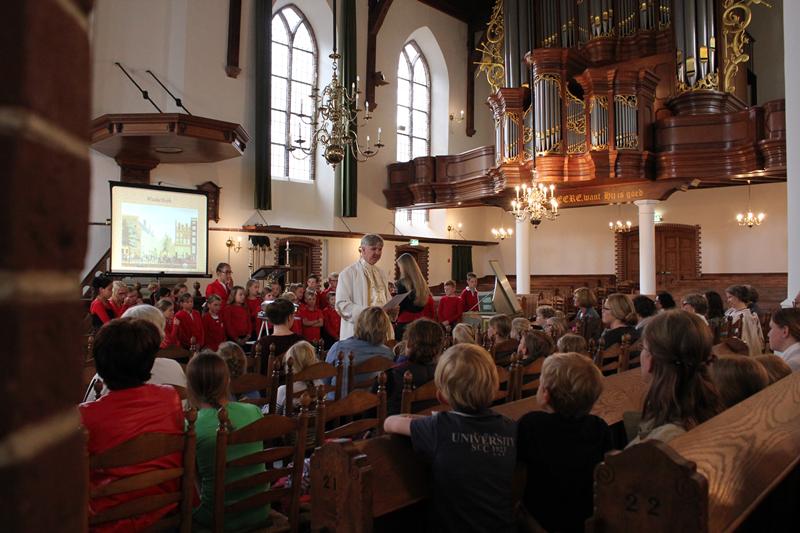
158	238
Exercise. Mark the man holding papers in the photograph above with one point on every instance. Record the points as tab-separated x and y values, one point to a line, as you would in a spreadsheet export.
362	285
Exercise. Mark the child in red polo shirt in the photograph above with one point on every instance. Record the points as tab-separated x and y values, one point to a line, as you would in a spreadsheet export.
253	303
189	323
469	296
213	327
236	317
171	324
449	310
311	317
331	321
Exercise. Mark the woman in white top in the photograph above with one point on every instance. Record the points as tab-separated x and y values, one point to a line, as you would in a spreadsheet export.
784	336
738	297
303	356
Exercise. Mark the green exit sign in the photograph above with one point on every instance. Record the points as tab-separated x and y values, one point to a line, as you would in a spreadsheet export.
413	242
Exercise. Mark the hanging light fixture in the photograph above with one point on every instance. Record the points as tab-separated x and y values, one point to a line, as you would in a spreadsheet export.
536	202
749	219
618	226
334	119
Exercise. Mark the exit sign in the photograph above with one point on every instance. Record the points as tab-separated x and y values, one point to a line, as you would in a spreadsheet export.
413	242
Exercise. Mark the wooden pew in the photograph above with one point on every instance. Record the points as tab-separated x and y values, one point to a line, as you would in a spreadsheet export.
352	483
737	469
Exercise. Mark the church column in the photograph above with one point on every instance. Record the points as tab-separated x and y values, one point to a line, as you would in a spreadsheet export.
791	50
523	256
647	246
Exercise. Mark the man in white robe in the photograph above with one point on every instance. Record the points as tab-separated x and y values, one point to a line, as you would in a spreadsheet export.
361	285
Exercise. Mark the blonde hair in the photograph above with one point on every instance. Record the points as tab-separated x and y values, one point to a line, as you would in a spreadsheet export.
234	357
412	279
302	354
572	343
373	325
116	286
519	326
621	307
573	382
467	377
585	297
463	333
290	296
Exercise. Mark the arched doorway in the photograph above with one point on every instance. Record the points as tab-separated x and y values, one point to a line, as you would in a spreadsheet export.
419	253
677	254
305	257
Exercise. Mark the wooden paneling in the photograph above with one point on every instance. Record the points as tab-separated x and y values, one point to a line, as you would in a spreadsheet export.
677	254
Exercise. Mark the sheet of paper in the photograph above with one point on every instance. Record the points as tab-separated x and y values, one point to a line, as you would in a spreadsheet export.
395	301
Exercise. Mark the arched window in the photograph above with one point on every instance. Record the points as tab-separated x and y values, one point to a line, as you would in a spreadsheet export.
294	74
413	104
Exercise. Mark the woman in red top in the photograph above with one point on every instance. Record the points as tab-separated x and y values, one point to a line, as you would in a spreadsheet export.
331	321
101	309
171	324
311	317
253	302
213	326
419	302
189	323
236	317
124	351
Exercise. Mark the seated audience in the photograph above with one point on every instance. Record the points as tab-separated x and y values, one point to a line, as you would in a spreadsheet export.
399	351
696	303
716	309
236	317
280	314
472	485
556	327
533	345
213	326
303	356
164	371
752	301
519	327
572	343
665	301
503	346
463	333
543	312
209	384
587	321
189	323
424	341
311	317
124	351
449	309
101	309
234	357
738	297
171	324
784	335
776	367
373	329
619	317
738	377
676	351
419	302
562	444
645	310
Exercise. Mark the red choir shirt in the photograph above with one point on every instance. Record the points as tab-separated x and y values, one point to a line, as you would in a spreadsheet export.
118	309
449	309
322	298
429	311
469	301
297	325
102	310
253	308
332	322
170	335
214	331
310	333
237	321
118	417
216	287
191	325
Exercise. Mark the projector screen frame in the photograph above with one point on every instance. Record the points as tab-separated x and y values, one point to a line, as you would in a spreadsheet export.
155	273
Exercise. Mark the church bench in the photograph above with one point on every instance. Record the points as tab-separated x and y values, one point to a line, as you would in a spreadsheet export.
735	471
353	483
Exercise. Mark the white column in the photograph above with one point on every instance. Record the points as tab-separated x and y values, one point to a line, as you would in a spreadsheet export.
791	51
647	246
523	256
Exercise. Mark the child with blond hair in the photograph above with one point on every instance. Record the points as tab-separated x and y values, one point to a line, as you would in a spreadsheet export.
303	356
471	448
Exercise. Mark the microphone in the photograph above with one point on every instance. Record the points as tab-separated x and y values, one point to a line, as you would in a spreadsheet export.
177	101
145	94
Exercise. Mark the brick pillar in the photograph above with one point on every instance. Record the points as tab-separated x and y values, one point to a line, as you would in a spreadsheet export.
44	164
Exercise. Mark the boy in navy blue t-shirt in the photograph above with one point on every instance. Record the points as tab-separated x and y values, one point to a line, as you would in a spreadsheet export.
472	450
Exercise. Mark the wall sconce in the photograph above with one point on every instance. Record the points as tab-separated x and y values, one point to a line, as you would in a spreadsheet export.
502	233
460	117
235	245
456	228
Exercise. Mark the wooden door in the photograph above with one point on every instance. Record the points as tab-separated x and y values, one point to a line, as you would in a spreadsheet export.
300	263
677	254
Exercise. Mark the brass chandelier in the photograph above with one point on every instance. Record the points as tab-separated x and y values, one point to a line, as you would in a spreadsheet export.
749	219
536	202
334	119
619	226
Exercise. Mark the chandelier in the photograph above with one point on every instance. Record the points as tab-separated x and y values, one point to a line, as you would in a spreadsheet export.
536	203
619	226
501	233
334	119
749	219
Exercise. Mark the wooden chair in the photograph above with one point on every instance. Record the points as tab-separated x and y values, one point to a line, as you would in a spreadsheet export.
505	379
175	352
633	355
270	429
319	371
532	371
612	359
147	447
357	403
370	366
410	395
252	381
